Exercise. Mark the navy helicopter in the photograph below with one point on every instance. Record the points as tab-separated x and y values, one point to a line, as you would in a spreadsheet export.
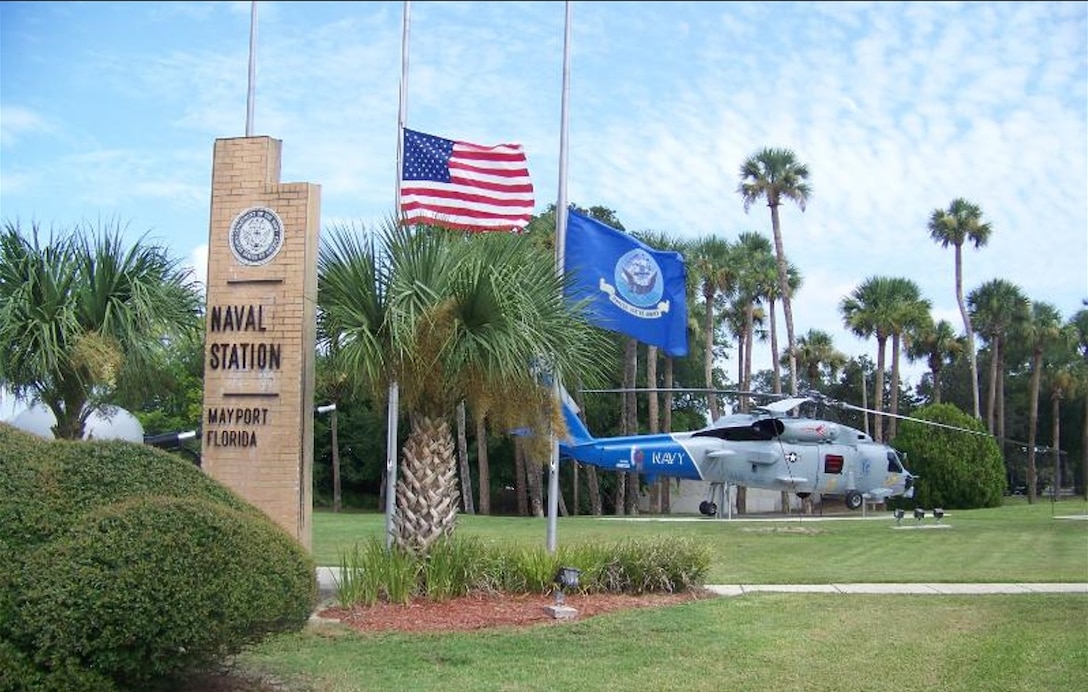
766	448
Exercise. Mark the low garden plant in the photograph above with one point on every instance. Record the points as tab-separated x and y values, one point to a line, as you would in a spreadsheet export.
460	565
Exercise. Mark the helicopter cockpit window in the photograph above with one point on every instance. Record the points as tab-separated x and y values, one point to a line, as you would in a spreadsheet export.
894	465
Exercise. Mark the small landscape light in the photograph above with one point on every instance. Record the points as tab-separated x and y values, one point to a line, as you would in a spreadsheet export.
565	578
938	513
898	514
919	513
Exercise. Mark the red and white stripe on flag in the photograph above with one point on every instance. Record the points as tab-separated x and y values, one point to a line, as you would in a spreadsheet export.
465	186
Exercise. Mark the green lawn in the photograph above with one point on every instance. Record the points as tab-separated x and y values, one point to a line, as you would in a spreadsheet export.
1017	543
758	642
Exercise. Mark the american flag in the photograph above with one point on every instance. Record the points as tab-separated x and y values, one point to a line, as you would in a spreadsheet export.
464	186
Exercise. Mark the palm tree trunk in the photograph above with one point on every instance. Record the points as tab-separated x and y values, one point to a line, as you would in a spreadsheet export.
534	483
575	496
775	368
1033	419
1055	436
1000	421
652	411
972	358
708	354
630	355
483	468
749	340
666	504
784	290
427	495
462	459
631	407
520	478
991	388
593	483
894	406
335	463
1084	448
878	388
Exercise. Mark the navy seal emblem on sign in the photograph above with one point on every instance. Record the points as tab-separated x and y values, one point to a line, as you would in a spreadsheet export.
256	235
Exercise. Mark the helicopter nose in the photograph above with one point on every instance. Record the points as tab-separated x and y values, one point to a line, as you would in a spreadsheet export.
908	485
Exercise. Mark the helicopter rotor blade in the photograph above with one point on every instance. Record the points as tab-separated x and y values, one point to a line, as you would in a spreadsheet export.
685	390
843	404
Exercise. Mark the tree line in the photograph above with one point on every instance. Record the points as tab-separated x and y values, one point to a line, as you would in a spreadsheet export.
468	329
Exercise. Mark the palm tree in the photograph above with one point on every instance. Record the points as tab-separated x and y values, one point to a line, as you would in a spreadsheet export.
1079	329
939	344
81	315
872	309
1043	328
757	272
962	222
775	175
816	354
772	297
1061	378
448	317
711	265
909	312
660	488
996	307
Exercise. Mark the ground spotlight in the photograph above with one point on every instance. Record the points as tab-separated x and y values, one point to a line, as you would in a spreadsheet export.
898	514
919	513
565	578
938	513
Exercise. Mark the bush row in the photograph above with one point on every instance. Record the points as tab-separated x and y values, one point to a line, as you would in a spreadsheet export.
458	566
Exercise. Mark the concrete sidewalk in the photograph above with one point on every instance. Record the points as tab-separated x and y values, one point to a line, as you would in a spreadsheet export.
327	580
929	588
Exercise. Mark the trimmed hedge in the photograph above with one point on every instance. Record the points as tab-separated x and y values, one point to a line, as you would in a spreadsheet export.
153	585
121	564
46	486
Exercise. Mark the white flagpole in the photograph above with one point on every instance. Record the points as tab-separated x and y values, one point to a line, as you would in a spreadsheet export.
560	260
393	404
252	67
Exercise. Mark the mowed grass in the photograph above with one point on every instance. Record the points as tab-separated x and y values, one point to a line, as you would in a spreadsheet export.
1015	543
759	641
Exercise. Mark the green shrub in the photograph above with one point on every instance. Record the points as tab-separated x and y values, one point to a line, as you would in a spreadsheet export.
460	566
376	574
955	469
24	518
155	585
17	672
48	486
449	568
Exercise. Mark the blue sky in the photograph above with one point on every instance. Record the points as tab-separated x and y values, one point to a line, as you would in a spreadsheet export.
110	111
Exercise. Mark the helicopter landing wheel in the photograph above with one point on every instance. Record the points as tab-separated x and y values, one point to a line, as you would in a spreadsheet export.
712	509
703	506
853	500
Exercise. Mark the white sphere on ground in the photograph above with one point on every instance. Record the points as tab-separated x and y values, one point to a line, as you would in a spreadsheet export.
113	423
105	423
36	420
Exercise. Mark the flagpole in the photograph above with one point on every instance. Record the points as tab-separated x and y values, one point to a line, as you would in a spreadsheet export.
252	67
560	260
393	405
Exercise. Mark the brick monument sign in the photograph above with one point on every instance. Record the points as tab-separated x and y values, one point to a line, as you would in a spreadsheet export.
258	420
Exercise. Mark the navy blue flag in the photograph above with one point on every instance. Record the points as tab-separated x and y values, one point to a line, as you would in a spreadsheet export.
632	288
